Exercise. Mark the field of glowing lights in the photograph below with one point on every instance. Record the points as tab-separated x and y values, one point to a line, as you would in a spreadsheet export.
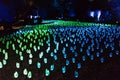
61	50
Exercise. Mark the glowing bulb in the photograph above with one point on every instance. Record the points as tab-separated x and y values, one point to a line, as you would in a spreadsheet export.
25	72
52	67
16	74
30	61
1	65
40	55
38	65
47	72
76	74
45	60
17	65
63	69
78	65
29	75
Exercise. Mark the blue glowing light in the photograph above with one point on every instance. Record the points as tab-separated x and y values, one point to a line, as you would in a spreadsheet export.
73	60
55	57
98	54
79	65
38	65
83	58
92	57
111	55
52	67
117	52
98	15
76	74
72	13
64	69
102	60
67	62
92	14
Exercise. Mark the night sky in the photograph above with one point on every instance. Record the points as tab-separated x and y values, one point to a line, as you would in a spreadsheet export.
47	8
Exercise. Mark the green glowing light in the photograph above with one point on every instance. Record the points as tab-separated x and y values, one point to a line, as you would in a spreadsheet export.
22	49
16	51
25	47
31	39
10	42
20	45
35	49
47	72
28	37
4	62
14	38
20	53
0	49
38	47
28	51
34	41
18	40
13	46
21	58
4	51
6	56
7	45
26	41
30	45
3	41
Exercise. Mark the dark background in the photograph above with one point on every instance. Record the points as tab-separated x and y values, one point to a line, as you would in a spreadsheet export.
50	9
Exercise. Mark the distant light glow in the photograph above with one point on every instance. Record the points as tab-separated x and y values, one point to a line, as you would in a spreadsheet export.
72	13
95	14
92	14
98	15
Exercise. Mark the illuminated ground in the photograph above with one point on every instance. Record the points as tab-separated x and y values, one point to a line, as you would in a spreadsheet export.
61	50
